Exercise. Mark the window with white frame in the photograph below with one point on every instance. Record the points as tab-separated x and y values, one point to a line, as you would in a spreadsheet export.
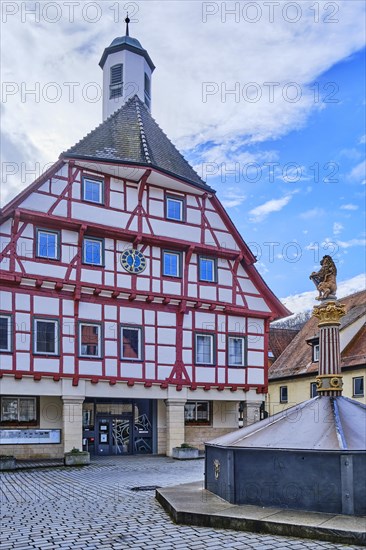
204	349
116	81
315	353
171	264
18	409
207	269
283	394
313	389
236	351
174	208
131	338
48	244
5	332
93	190
92	251
46	336
358	386
90	338
197	412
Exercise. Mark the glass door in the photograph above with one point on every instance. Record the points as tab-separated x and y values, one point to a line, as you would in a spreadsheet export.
103	436
121	435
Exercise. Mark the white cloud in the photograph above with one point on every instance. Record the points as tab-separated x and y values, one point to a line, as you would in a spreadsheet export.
259	213
351	243
188	53
306	300
358	173
363	139
313	213
233	197
349	207
337	228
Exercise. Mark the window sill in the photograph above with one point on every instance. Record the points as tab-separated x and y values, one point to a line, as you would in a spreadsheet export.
174	220
172	277
93	202
40	354
47	258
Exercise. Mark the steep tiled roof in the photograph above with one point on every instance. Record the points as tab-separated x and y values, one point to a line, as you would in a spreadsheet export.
279	339
131	135
296	358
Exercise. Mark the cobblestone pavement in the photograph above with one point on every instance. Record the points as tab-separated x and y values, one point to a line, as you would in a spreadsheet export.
95	508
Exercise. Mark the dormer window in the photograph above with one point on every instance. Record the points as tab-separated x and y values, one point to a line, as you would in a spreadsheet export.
147	91
116	81
315	353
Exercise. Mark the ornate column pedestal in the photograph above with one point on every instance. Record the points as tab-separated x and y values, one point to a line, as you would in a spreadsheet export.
329	379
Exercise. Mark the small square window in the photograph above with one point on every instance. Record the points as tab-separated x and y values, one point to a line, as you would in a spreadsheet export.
207	269
283	394
197	412
48	245
175	209
313	390
92	251
89	340
46	336
131	343
171	264
204	353
358	386
93	190
236	351
5	332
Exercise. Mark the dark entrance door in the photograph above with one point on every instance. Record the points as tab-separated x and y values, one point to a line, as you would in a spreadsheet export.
114	435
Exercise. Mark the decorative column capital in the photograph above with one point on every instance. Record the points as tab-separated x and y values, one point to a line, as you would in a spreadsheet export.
329	313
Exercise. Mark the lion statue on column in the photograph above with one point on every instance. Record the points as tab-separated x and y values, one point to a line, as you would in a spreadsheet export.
325	278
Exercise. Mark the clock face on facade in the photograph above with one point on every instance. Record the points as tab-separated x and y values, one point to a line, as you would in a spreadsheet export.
133	261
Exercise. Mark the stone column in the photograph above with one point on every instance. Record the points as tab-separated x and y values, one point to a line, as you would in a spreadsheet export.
72	423
329	379
174	424
251	412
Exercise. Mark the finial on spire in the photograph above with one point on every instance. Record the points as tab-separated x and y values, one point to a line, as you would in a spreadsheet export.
127	20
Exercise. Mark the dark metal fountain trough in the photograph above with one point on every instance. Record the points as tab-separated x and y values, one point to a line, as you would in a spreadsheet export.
309	457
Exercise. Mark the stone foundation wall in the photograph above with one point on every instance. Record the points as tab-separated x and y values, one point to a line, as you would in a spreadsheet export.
197	435
33	452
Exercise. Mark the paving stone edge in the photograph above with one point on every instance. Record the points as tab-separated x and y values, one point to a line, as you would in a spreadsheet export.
263	526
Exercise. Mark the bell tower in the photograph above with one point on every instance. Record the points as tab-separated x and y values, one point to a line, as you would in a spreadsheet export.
127	70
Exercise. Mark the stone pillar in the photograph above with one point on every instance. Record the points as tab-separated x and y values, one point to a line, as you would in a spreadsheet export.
174	424
329	379
251	412
72	423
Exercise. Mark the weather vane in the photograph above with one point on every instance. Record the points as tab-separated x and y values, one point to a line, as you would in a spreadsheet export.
127	21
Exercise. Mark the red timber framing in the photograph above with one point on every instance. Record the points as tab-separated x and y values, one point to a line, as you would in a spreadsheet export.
73	287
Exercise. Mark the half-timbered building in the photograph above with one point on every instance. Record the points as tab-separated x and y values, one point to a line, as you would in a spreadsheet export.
132	317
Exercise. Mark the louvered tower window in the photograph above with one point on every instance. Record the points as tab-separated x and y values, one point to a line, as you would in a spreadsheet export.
147	91
116	84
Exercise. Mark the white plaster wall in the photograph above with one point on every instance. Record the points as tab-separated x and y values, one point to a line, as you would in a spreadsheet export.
255	376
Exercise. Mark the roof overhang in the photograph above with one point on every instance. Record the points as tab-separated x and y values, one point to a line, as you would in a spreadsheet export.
133	171
130	48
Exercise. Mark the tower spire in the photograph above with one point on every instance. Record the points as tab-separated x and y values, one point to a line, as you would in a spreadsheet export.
127	20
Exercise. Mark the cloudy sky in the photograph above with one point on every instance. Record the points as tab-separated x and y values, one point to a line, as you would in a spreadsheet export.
265	99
